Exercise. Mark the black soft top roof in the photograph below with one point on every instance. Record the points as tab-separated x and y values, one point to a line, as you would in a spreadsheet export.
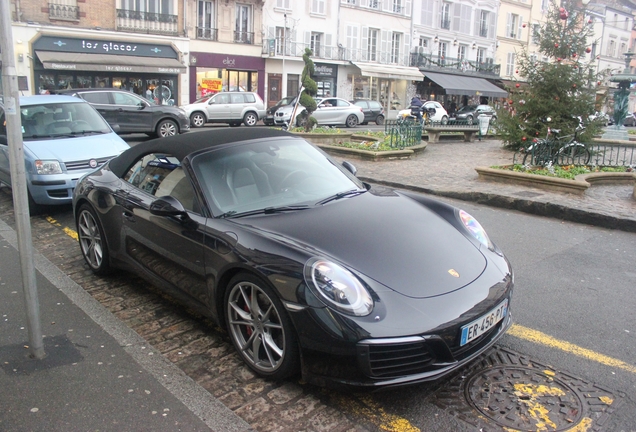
182	145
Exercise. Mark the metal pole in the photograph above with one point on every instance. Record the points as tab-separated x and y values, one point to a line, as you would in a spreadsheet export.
18	181
284	81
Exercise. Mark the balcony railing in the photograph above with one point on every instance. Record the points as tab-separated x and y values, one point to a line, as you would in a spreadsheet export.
445	24
434	62
207	33
483	32
147	22
274	48
244	37
63	12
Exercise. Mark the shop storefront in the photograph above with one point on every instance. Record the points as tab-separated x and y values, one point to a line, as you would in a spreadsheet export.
211	73
150	70
390	85
326	77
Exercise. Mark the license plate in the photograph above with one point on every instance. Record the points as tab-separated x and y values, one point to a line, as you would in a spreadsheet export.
484	323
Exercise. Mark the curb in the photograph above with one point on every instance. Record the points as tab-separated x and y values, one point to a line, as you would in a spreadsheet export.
524	205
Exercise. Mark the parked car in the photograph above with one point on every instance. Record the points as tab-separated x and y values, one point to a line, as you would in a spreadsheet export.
601	117
127	112
226	107
373	111
330	111
269	114
468	114
221	223
630	120
64	138
439	114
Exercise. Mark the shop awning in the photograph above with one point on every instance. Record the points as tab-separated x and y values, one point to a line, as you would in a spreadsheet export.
468	86
109	63
389	71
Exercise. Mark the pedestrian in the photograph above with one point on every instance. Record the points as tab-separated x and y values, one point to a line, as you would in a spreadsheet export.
416	107
453	108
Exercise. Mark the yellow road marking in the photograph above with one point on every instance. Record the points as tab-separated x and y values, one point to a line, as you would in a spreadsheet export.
71	233
543	339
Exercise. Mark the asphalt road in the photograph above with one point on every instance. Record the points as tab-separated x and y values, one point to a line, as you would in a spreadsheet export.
574	328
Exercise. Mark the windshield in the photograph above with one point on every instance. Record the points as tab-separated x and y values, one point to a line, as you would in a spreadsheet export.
61	120
286	101
203	99
270	174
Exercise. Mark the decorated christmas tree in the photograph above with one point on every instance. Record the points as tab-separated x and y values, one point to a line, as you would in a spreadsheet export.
559	84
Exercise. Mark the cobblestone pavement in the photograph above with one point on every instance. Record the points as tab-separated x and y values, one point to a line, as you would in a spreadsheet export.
448	168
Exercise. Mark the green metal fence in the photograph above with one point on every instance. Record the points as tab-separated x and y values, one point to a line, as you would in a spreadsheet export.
403	134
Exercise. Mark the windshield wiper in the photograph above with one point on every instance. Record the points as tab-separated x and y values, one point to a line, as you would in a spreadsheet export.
345	194
87	132
266	210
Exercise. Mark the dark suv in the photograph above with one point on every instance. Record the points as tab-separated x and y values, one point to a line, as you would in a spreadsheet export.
128	112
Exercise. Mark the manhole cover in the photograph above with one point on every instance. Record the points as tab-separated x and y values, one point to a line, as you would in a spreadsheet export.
504	390
524	399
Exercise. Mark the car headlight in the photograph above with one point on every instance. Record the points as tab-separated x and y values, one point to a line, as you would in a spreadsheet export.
338	287
44	167
475	229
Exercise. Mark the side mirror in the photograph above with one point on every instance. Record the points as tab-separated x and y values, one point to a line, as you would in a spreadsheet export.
349	167
116	128
167	206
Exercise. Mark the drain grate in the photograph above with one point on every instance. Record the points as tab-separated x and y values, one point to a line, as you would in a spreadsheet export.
507	391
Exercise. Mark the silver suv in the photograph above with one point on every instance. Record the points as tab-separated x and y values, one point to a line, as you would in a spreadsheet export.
226	107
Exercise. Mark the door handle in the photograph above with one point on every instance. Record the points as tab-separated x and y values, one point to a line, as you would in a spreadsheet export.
129	216
120	109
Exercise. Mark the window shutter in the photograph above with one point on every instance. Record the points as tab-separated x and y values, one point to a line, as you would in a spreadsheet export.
491	25
457	16
385	47
477	22
520	27
328	47
407	8
508	22
364	46
386	5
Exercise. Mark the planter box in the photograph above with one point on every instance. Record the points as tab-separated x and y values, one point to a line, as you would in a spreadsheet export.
577	186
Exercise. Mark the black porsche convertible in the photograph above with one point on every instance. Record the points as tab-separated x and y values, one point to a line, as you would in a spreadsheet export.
309	269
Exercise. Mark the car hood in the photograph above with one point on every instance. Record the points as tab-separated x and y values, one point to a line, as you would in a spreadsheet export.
78	148
390	238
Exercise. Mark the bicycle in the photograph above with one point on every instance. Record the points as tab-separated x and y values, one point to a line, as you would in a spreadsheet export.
557	150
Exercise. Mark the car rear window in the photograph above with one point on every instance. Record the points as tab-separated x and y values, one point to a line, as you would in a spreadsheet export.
362	104
249	97
374	104
96	97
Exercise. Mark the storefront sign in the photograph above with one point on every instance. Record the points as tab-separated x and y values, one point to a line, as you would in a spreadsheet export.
211	85
225	61
97	46
325	70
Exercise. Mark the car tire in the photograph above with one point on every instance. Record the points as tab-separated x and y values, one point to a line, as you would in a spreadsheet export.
92	240
34	208
197	120
167	128
352	121
260	328
444	120
379	120
250	119
469	120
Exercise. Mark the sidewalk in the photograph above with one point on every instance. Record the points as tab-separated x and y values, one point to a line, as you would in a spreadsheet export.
447	168
98	374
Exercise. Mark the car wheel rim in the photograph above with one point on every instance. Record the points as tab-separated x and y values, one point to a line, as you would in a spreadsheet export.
256	327
90	239
250	120
351	121
197	121
168	129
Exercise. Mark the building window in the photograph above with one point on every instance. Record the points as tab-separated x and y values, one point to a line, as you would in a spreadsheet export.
243	32
280	41
283	4
510	64
461	52
351	2
483	24
315	43
536	33
397	6
445	16
611	48
374	4
424	42
441	52
481	56
372	45
318	7
206	20
513	26
64	10
396	41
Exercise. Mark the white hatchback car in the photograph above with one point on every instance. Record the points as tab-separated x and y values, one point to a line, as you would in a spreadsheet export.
440	116
329	111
